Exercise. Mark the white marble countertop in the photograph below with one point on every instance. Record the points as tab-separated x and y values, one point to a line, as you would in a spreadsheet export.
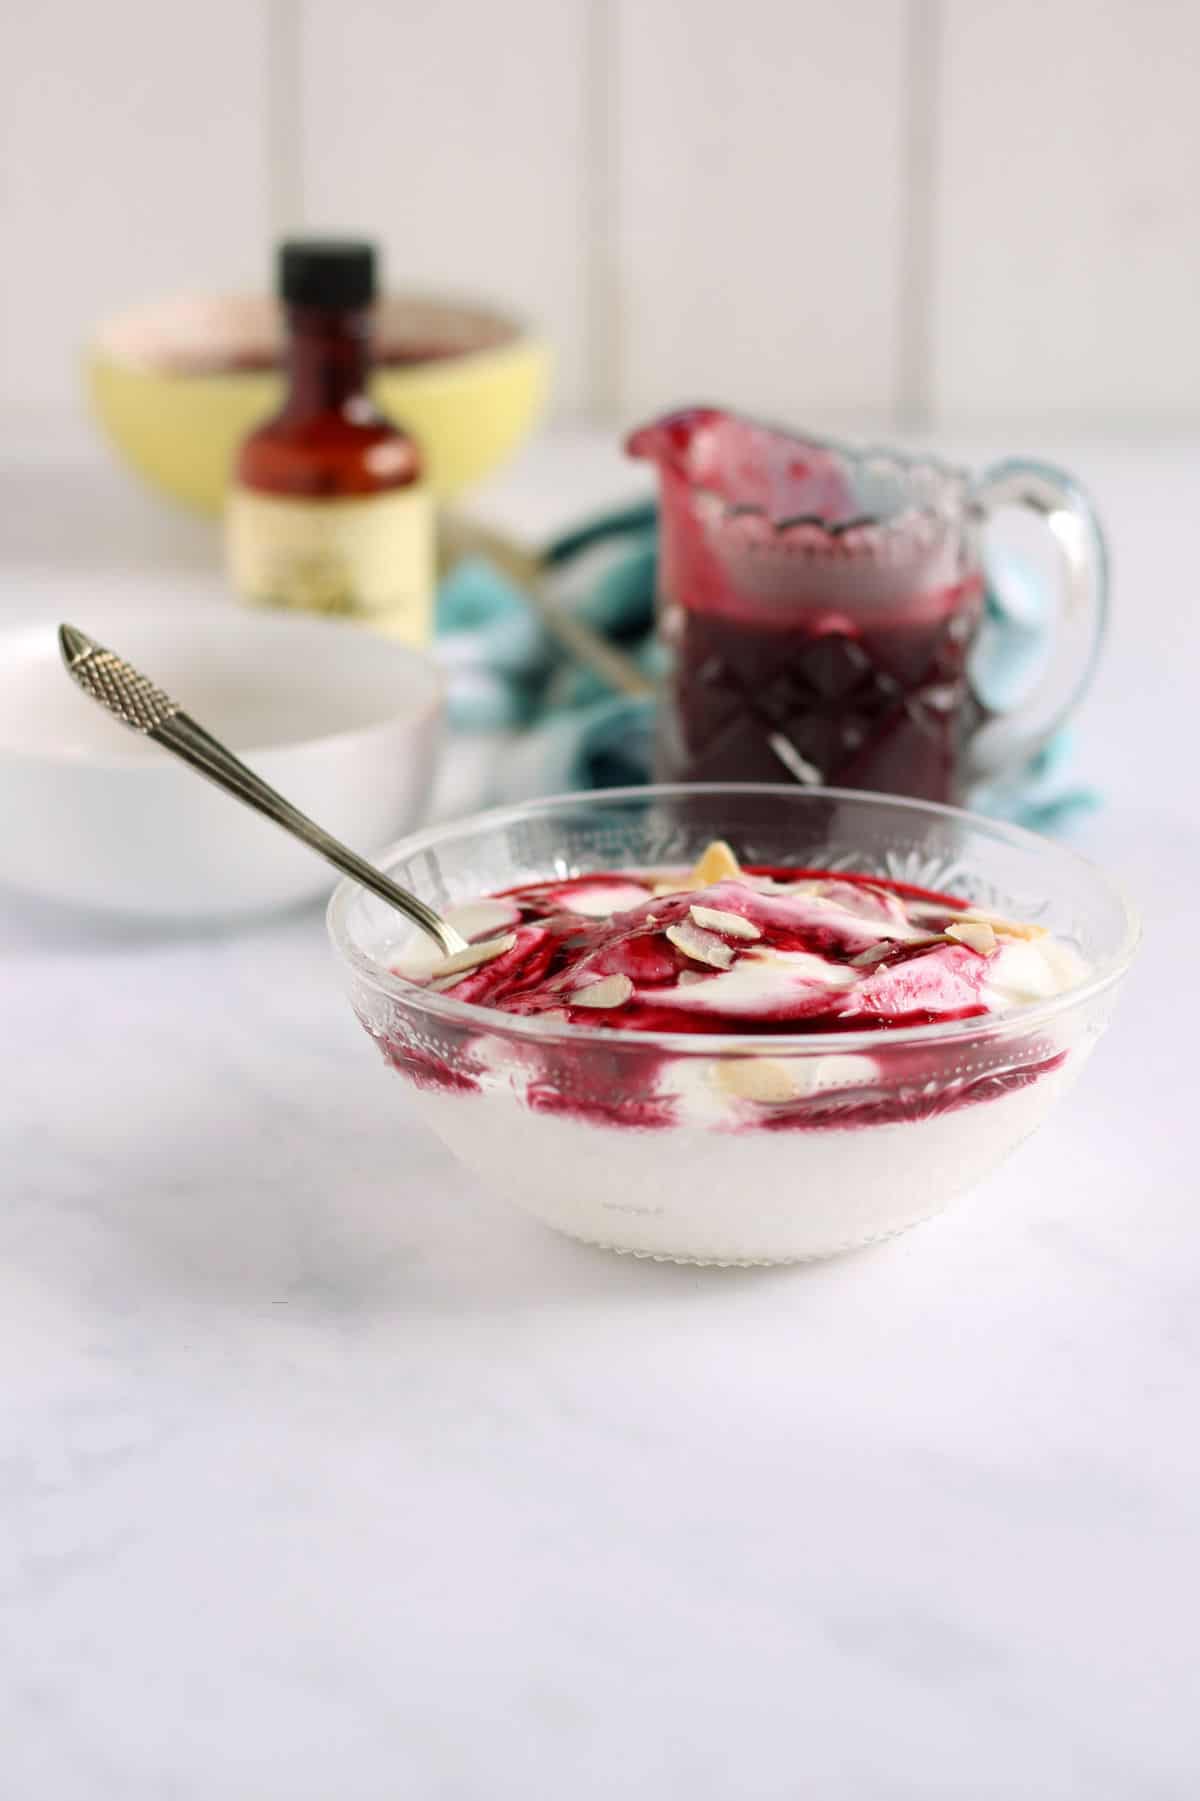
322	1474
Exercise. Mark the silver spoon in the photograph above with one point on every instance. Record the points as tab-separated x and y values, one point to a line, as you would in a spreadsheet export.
133	699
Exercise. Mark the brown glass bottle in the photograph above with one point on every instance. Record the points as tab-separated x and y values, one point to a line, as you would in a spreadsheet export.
326	511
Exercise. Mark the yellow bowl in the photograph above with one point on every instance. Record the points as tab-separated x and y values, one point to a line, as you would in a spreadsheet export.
176	385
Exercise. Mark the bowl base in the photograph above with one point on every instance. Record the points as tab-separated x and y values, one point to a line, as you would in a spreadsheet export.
784	1260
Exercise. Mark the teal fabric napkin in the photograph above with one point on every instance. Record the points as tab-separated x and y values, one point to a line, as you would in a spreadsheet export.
505	669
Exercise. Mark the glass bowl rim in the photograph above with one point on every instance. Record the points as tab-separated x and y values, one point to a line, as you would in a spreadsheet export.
492	1020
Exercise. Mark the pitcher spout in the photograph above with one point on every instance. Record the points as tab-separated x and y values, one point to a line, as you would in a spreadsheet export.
671	439
752	467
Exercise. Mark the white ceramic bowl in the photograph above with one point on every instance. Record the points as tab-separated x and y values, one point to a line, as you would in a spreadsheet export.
343	722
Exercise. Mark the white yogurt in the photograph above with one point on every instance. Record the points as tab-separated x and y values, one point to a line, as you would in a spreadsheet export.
693	1195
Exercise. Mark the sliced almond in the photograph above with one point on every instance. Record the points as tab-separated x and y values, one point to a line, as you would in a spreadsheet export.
874	953
717	864
931	910
703	947
773	1080
687	978
483	919
1005	928
610	991
764	1079
716	919
976	934
450	968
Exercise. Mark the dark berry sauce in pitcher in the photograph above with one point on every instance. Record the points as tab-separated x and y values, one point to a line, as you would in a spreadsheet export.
880	704
819	608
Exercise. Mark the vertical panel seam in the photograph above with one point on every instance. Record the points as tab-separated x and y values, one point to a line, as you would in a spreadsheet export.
283	122
924	24
600	211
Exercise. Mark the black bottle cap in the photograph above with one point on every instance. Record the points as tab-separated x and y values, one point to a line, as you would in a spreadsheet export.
332	272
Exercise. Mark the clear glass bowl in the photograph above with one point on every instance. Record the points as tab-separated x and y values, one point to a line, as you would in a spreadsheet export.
734	1149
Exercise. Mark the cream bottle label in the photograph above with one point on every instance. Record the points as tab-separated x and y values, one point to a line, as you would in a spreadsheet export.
369	559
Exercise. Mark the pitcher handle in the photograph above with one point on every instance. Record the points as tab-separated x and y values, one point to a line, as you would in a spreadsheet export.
1081	615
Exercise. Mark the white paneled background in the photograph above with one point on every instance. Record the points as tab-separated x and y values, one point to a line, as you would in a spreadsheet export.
917	212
